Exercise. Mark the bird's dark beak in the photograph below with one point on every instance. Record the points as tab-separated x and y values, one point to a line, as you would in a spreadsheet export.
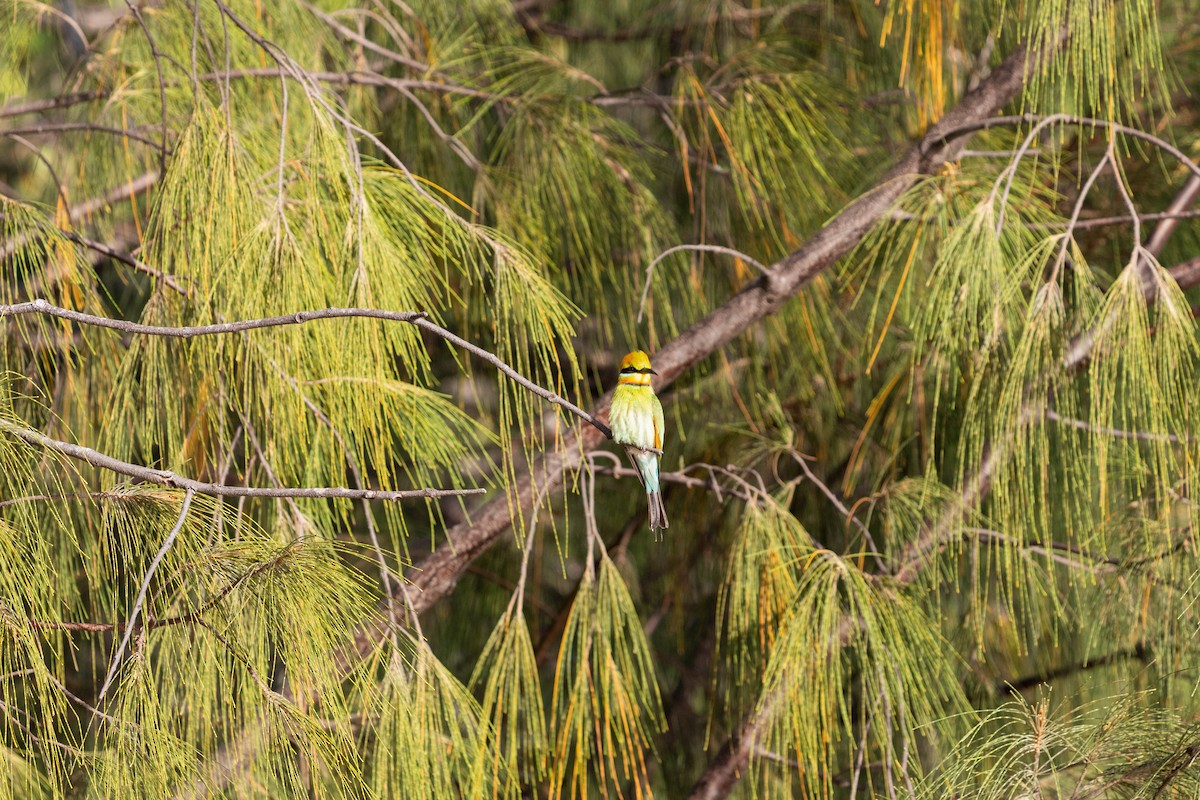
652	372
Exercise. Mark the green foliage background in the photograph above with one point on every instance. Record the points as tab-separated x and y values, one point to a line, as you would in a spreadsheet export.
932	532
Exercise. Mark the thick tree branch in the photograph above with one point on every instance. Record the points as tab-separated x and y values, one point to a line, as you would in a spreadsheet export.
732	761
1176	211
436	576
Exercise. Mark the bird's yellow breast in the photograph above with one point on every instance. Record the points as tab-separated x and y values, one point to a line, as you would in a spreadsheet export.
633	415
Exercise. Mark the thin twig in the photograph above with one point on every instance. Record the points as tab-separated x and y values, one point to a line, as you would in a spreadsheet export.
169	280
158	56
41	306
62	101
1101	222
702	248
74	698
956	131
1011	171
359	77
741	489
1126	198
300	522
385	572
60	188
141	595
839	505
149	623
35	498
1068	234
242	657
88	207
860	758
495	361
134	186
1115	432
353	36
68	127
618	472
7	709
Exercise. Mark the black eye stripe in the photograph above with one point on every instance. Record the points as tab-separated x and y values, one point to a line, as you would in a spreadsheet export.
642	371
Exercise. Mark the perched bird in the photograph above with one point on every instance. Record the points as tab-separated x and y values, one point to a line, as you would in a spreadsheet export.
637	422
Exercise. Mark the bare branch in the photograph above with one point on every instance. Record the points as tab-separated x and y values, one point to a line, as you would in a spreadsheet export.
495	361
740	488
361	77
363	41
1068	235
126	190
162	85
74	698
418	318
167	478
800	459
103	249
40	306
37	498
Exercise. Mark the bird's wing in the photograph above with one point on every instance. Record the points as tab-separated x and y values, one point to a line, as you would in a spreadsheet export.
659	428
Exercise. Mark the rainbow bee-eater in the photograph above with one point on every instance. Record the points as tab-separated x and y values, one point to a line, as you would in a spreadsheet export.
637	423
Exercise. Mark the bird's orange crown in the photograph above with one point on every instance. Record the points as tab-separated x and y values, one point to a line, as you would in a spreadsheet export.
637	361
